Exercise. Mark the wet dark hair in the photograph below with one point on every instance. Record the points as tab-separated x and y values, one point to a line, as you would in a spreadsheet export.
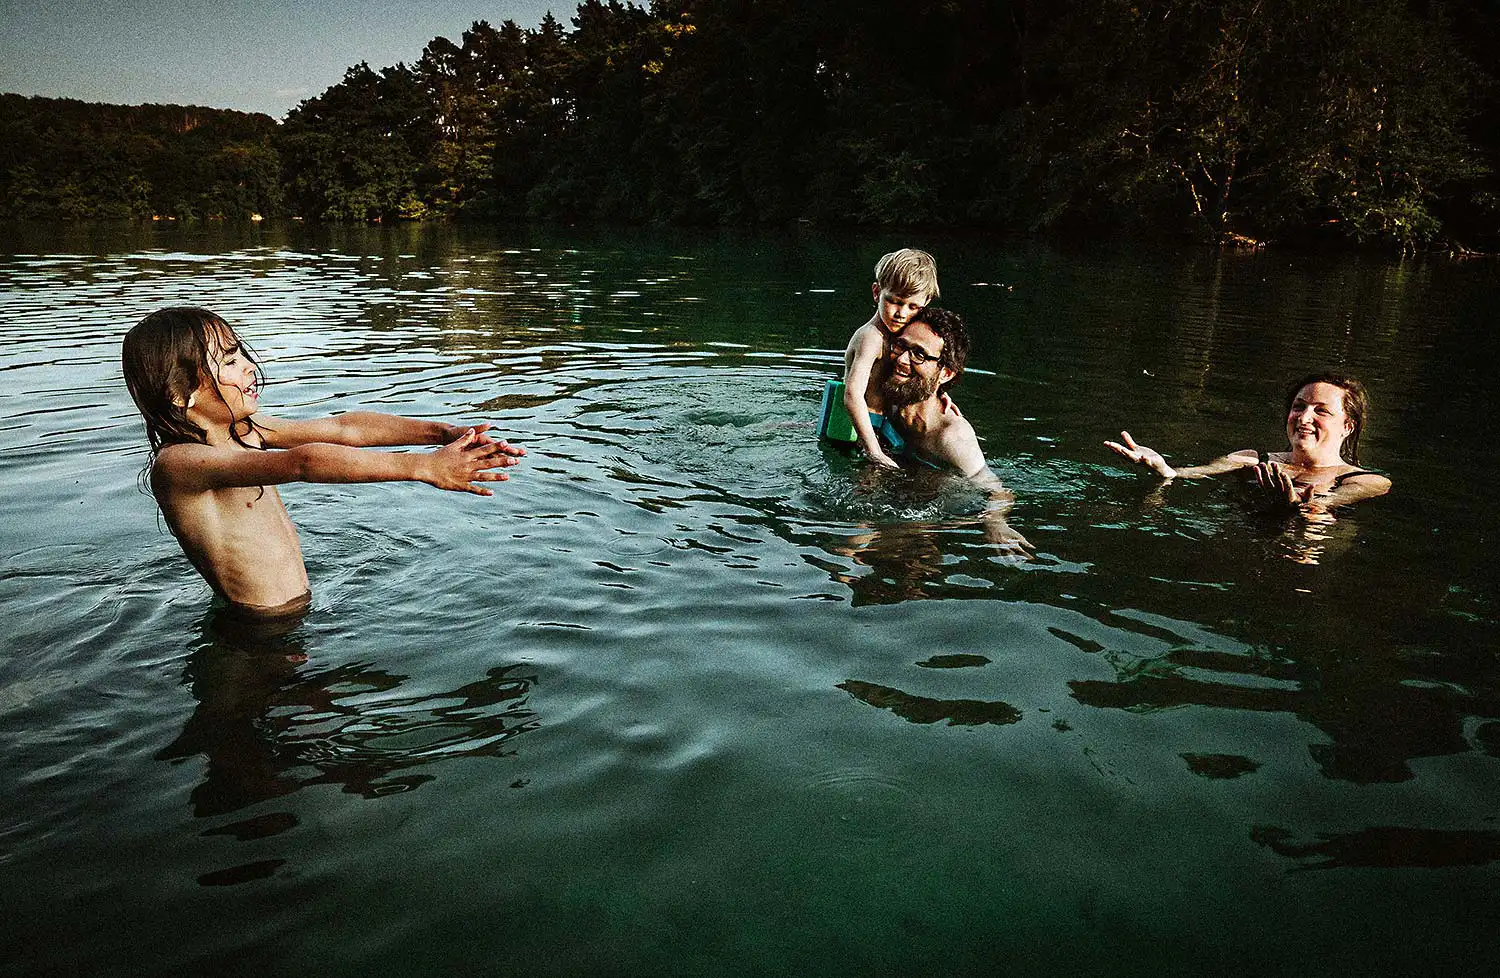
1356	406
165	358
949	327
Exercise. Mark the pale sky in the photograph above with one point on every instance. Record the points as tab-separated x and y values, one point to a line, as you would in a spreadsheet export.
253	55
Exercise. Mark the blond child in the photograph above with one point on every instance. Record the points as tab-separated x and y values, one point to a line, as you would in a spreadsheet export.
216	459
905	282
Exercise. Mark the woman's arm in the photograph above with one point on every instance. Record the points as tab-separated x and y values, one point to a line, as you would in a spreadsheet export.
190	467
1152	459
1276	483
1352	490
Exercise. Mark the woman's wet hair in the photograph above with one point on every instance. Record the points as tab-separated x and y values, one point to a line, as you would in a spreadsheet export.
1356	406
165	358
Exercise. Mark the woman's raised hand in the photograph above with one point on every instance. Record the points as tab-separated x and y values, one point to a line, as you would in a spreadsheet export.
1279	487
1141	455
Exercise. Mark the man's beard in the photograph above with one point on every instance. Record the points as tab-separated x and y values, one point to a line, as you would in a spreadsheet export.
914	389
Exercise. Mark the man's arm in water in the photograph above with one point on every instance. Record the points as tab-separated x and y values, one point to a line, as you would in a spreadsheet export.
959	449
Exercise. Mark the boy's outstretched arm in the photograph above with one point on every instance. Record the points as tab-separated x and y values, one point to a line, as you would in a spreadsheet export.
457	466
856	382
365	429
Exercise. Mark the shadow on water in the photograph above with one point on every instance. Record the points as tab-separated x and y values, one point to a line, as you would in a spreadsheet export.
1308	619
1388	847
923	709
269	724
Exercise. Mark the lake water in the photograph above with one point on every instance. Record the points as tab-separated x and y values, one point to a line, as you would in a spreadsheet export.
694	695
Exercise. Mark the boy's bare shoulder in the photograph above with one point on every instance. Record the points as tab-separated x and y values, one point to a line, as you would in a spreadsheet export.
170	458
174	463
866	339
190	467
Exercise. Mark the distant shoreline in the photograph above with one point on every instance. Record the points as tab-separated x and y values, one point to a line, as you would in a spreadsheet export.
1211	125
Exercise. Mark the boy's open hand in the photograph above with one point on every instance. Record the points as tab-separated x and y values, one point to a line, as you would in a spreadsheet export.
468	459
481	436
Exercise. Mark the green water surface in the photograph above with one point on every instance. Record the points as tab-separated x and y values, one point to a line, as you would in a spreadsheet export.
695	695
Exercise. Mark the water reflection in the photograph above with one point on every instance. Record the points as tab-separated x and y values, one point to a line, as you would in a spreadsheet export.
1328	637
1384	846
923	558
1376	714
904	559
1312	538
669	416
268	725
925	709
1220	766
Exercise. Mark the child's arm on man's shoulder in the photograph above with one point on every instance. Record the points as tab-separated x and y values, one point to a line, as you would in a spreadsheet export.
364	429
868	347
471	458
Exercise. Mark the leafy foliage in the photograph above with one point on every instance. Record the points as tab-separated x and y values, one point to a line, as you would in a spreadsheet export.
1370	120
69	160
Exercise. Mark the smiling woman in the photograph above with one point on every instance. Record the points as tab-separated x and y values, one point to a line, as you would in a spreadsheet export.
1325	414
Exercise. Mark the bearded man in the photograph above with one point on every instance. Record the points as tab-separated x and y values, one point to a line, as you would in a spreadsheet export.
925	361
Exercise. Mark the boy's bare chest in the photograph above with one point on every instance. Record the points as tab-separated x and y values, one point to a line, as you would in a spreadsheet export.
244	513
252	510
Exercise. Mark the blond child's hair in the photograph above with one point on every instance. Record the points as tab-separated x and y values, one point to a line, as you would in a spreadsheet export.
908	272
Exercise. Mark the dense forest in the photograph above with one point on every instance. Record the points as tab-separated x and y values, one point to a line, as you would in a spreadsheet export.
77	161
1367	121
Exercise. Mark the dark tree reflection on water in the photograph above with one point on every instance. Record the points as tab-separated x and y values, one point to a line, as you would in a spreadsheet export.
1378	694
270	722
1384	846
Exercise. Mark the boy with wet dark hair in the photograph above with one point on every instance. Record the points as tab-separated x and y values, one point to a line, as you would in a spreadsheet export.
216	459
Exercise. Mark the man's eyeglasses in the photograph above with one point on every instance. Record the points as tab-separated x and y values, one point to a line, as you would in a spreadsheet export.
918	355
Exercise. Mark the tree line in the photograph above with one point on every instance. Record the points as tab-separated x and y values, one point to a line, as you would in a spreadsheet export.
1222	120
75	161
